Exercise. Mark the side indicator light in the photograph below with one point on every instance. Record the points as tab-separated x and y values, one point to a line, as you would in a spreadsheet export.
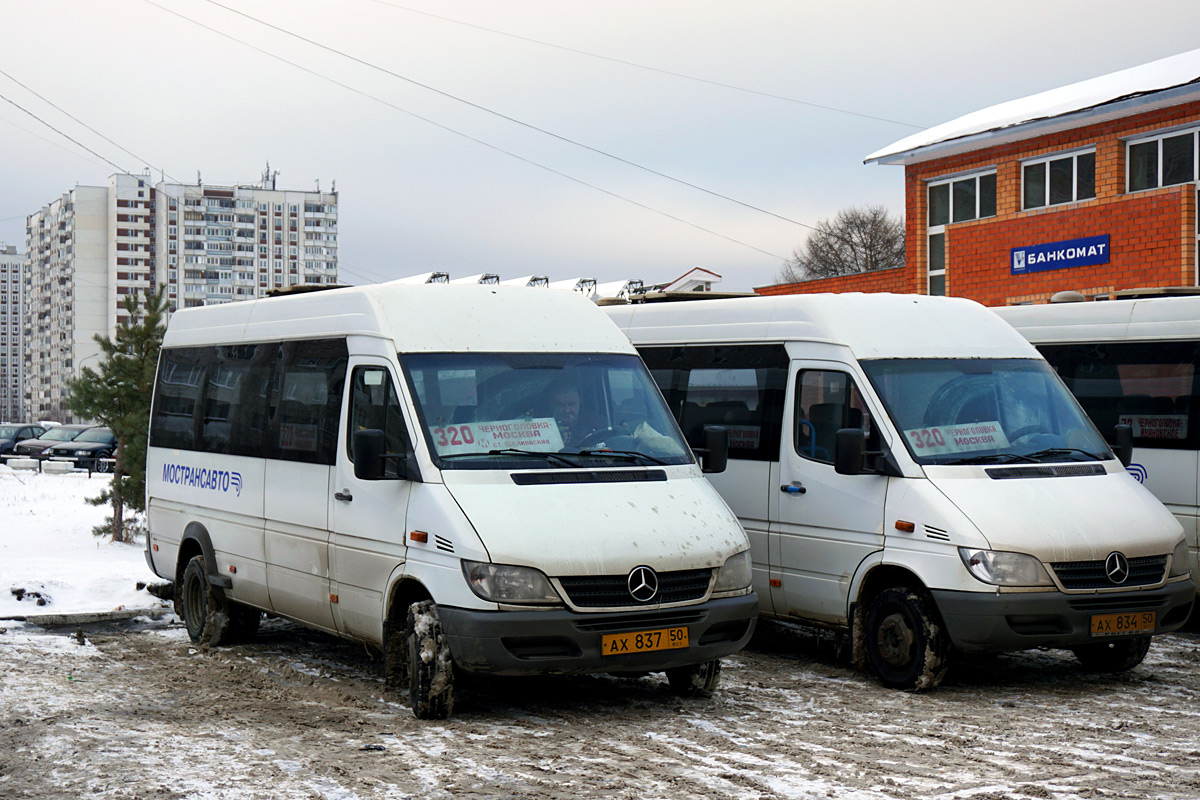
333	598
233	569
418	536
155	547
776	582
907	527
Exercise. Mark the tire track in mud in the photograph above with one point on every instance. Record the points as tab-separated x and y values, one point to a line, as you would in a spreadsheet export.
138	712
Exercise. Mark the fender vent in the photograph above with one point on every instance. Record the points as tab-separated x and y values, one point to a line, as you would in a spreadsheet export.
936	533
443	543
1047	471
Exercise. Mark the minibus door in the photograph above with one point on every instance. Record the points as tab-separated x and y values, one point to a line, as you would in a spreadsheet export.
367	517
822	524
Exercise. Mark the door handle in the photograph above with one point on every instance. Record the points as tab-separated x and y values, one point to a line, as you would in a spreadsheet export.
343	496
795	488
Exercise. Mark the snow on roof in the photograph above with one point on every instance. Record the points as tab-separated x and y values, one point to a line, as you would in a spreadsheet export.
1137	86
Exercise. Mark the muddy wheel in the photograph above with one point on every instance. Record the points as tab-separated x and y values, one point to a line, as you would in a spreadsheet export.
906	645
430	669
206	614
1117	656
697	680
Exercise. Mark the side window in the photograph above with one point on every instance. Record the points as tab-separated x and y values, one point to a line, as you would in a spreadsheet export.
176	398
740	387
310	398
375	405
1149	386
827	401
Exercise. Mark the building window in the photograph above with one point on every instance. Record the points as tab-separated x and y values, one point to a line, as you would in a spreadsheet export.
1164	160
957	199
1058	179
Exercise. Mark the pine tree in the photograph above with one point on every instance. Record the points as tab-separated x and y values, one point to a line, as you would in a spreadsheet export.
118	396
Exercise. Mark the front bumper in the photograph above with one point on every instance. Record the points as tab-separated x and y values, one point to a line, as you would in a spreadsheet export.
996	623
563	642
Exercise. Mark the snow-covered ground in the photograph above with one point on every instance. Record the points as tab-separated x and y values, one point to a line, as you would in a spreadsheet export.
133	709
48	552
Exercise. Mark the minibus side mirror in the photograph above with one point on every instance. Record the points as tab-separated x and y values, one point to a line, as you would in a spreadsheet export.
368	454
849	451
1123	444
714	456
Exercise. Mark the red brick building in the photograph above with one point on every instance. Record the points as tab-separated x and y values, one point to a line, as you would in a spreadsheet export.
1091	187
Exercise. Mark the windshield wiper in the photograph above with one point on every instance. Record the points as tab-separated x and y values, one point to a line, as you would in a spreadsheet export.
512	451
1064	451
631	454
995	458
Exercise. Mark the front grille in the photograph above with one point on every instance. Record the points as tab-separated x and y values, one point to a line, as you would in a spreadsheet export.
612	591
1091	574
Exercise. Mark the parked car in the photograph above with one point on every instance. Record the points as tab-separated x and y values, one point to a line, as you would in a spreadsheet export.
62	433
11	434
90	449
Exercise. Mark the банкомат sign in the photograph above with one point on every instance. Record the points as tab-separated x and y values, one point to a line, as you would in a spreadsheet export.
1060	255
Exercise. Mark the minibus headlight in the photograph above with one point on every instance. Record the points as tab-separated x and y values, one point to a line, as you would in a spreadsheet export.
502	583
1005	569
1181	559
734	573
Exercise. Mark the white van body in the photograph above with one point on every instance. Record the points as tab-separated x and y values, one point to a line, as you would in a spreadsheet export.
594	560
1134	362
949	534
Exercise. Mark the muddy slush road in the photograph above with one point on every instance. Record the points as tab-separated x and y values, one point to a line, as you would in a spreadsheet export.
136	711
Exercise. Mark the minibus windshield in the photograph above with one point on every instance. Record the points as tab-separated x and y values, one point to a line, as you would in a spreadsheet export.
984	411
542	411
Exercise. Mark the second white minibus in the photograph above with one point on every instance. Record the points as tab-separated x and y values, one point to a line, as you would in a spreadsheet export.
912	472
1135	363
470	478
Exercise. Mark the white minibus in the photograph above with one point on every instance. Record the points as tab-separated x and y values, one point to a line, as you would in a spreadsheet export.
1135	363
911	472
473	478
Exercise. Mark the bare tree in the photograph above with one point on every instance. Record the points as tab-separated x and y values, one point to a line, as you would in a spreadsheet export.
858	239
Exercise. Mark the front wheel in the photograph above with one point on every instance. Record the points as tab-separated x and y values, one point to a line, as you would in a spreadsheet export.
430	668
100	464
1117	656
906	644
697	680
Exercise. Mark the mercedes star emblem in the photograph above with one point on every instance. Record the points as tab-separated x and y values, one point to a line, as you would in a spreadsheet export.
1116	567
643	584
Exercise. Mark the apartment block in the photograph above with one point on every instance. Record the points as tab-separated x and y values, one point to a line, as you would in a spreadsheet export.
12	265
95	245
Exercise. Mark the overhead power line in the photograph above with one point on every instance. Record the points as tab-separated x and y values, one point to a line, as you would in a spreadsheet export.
659	70
64	135
502	115
62	110
467	136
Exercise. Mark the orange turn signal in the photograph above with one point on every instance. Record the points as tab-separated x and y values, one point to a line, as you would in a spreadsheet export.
907	527
776	582
418	536
333	598
232	568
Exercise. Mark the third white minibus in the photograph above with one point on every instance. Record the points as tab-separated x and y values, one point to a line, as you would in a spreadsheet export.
911	471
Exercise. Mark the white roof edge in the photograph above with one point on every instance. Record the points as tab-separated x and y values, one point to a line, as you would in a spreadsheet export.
1136	86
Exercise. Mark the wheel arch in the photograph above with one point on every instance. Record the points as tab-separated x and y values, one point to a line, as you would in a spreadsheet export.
871	580
195	542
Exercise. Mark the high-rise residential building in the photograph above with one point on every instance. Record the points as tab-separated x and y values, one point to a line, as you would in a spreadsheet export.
95	245
12	266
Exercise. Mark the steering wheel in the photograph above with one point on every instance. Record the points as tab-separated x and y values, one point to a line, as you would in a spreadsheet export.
595	437
1019	432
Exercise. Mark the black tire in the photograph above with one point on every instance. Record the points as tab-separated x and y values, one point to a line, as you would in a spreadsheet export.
430	668
1115	656
906	643
207	615
100	465
696	680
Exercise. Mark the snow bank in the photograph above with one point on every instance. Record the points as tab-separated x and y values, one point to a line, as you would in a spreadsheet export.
48	551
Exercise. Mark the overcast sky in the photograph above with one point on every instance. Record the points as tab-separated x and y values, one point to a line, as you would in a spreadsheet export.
486	193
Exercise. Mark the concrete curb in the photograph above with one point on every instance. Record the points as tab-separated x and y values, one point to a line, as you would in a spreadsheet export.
88	618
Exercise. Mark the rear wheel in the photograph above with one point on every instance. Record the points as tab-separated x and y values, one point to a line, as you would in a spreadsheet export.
100	464
696	680
430	668
906	645
211	618
1117	656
